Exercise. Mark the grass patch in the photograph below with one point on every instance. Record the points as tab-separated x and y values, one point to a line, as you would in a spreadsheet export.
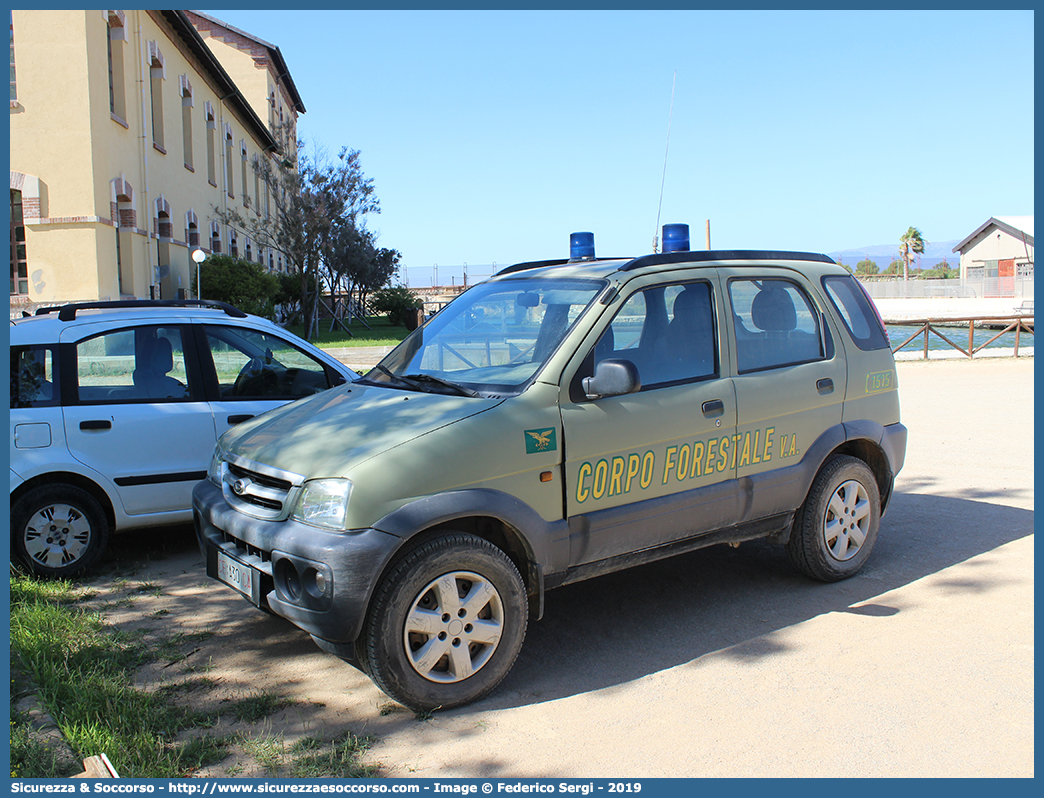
340	760
31	756
173	647
257	706
83	672
382	333
268	751
310	757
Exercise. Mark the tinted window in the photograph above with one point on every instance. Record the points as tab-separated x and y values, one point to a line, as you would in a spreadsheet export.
256	365
852	304
667	332
776	324
33	377
144	364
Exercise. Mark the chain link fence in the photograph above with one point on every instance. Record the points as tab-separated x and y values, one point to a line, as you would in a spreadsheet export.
982	288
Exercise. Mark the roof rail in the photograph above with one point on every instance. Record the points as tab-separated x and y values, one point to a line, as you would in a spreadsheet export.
68	312
721	254
533	264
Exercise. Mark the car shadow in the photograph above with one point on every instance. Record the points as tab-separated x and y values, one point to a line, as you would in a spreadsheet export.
624	626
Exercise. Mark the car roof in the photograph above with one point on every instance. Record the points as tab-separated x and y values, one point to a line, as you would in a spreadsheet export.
46	325
605	267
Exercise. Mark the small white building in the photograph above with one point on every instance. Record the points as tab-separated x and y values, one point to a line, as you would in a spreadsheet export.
1001	247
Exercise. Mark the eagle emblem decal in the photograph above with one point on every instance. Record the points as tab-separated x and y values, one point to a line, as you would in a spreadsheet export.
541	440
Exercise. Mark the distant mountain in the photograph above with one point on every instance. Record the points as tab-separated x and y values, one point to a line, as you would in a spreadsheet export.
883	254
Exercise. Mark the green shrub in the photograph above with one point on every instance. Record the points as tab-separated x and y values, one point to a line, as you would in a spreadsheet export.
399	303
242	283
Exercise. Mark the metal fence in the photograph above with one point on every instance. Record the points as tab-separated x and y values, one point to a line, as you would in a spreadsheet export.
983	288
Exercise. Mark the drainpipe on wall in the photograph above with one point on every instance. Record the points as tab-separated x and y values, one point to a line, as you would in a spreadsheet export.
224	167
145	159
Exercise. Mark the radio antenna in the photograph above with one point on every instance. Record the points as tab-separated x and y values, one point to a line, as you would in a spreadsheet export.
659	207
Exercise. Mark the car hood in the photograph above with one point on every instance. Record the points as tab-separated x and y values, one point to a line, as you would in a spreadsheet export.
327	434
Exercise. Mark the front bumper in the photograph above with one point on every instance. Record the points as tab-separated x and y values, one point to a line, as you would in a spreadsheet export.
317	579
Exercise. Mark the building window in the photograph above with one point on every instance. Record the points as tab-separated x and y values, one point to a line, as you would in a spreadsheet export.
186	120
19	266
243	177
125	219
233	244
257	184
229	184
119	262
215	238
208	114
116	34
192	229
249	252
164	227
156	78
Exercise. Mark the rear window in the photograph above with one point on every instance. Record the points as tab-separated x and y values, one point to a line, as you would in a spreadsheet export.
33	381
853	305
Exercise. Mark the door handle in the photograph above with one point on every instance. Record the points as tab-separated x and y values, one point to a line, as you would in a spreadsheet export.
240	419
714	407
825	386
100	424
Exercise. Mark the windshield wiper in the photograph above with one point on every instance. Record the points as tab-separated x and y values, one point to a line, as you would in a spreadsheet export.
408	382
439	381
416	381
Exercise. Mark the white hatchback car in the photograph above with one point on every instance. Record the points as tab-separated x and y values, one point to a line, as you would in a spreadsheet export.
115	409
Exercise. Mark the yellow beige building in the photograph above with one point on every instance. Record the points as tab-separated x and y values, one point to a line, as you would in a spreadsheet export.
131	132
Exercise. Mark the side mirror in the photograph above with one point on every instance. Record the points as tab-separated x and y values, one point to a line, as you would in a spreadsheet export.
612	377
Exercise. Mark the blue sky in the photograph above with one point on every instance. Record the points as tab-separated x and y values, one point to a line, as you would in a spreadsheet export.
492	135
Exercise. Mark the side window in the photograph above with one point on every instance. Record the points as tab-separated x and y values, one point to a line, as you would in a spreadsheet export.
852	304
776	324
256	365
33	378
667	331
144	364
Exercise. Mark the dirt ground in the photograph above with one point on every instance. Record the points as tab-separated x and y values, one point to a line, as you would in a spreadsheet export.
723	662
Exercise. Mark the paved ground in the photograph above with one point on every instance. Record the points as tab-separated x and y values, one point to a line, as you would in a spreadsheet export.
726	662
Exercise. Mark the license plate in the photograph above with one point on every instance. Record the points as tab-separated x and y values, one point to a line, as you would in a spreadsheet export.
239	575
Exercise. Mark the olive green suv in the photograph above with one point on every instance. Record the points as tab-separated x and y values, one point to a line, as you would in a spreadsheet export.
559	421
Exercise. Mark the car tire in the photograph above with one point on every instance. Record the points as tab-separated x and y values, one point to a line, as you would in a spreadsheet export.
445	624
58	530
835	529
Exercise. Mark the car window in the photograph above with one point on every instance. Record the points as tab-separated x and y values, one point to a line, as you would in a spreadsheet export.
776	324
143	364
255	365
33	378
851	302
667	331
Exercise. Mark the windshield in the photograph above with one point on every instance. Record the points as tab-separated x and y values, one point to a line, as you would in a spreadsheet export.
491	340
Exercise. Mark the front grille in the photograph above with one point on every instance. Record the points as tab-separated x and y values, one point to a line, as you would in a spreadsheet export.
258	490
262	479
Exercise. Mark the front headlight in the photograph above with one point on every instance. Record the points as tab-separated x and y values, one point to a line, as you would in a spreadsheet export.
324	503
214	471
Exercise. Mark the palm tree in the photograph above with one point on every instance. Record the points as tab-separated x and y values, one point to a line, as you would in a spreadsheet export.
910	242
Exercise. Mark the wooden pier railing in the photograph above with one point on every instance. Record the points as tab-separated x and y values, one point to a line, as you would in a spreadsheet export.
1017	323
